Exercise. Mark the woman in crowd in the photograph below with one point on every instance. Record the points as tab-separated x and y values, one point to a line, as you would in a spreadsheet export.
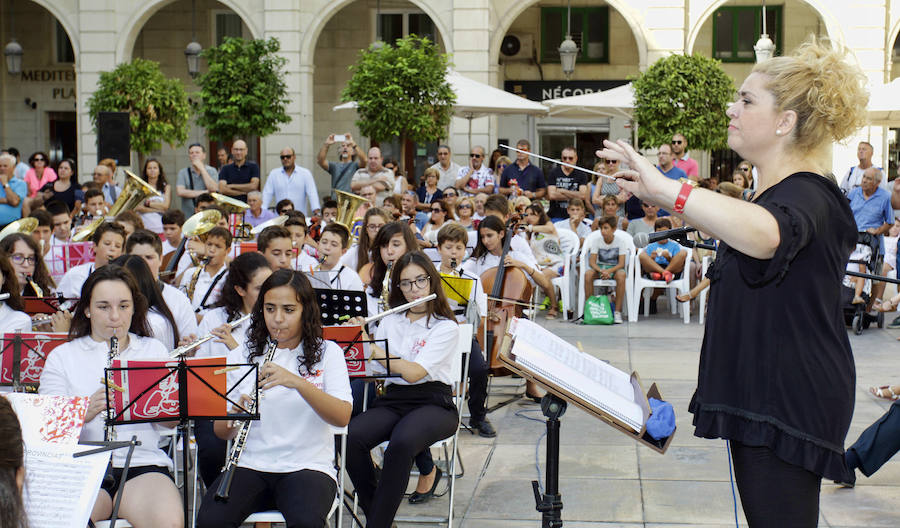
544	242
12	317
440	215
111	305
12	468
611	207
417	408
465	211
500	165
746	169
66	188
28	263
152	208
358	255
287	462
163	326
39	174
450	196
429	193
783	397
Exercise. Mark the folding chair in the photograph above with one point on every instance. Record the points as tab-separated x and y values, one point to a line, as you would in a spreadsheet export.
629	272
682	285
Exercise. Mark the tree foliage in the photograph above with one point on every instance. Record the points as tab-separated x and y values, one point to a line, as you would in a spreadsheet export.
684	94
402	91
243	92
158	107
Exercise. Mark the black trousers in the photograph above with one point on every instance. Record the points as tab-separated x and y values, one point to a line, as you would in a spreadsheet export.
478	381
411	428
210	451
303	497
773	492
879	442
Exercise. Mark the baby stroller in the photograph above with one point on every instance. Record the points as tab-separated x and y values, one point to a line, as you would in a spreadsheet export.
865	253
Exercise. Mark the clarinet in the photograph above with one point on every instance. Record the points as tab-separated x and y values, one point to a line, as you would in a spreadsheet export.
109	434
237	447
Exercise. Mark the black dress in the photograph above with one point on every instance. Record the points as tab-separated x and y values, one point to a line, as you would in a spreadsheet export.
69	196
776	369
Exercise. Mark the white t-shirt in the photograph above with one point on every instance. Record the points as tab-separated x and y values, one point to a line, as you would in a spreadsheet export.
75	368
607	253
289	435
429	341
583	229
213	319
12	320
350	258
303	262
74	279
447	177
205	283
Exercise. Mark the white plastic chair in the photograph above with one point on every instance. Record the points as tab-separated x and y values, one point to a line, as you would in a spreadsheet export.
705	293
682	285
568	242
629	272
119	524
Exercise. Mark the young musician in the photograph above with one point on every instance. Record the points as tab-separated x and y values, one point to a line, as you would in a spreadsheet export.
147	245
392	241
287	461
12	317
163	325
296	225
172	221
108	241
203	283
12	468
44	229
94	204
274	242
28	263
358	255
333	244
112	305
417	409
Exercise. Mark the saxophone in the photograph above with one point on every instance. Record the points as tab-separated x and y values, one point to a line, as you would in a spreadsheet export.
237	447
38	291
109	433
193	284
385	287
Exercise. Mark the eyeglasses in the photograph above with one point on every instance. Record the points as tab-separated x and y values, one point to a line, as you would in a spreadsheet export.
464	206
475	155
677	142
646	205
437	210
19	258
289	156
421	282
449	195
374	227
39	159
745	169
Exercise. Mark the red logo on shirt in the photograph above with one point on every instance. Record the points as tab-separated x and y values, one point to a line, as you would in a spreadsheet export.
417	347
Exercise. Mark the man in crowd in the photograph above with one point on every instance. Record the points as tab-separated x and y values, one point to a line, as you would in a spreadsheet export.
408	202
13	191
351	158
195	179
853	178
256	214
20	167
666	165
240	177
682	161
103	176
564	184
523	177
222	157
476	177
293	182
374	174
448	169
871	206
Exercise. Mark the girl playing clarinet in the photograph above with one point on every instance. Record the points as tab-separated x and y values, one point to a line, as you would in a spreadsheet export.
287	461
112	305
417	409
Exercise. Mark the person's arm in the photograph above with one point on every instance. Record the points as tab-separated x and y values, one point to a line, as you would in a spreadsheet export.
208	180
165	203
332	410
592	261
244	188
322	156
545	228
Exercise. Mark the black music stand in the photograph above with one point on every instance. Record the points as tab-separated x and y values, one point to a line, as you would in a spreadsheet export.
181	370
337	306
17	345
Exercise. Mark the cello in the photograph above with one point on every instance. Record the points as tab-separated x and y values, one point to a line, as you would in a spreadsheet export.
510	291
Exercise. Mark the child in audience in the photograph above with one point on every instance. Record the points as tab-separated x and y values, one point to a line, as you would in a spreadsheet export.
576	222
663	259
606	260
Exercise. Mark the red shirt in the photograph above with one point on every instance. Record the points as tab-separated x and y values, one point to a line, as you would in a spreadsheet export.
689	166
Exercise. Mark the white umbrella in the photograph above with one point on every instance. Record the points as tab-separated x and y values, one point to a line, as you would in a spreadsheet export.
475	99
884	105
615	102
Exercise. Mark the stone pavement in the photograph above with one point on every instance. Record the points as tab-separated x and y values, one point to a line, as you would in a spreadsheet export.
607	480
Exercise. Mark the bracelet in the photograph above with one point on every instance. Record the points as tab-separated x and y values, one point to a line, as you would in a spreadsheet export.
686	189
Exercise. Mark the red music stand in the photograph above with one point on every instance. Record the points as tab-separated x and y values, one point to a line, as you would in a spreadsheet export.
23	356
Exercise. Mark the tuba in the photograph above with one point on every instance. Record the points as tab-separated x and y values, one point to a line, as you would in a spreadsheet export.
136	191
347	207
26	226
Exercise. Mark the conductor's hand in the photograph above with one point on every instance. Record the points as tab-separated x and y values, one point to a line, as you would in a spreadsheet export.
96	405
643	180
272	375
223	335
61	321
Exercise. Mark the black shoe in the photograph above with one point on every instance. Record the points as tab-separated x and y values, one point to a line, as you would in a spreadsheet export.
419	498
895	323
484	428
535	399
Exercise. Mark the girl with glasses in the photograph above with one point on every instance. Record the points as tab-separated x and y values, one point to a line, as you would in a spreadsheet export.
417	408
12	317
39	174
28	263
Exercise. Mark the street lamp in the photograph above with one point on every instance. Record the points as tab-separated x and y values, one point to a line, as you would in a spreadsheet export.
192	53
764	47
13	52
568	50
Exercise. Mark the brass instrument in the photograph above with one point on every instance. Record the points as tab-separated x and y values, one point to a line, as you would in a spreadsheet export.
38	291
237	447
184	349
347	205
278	220
193	284
26	226
135	192
384	287
197	225
234	206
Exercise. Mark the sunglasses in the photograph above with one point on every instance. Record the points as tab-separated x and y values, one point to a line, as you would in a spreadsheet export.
449	195
437	210
475	155
745	169
676	142
289	156
39	159
464	206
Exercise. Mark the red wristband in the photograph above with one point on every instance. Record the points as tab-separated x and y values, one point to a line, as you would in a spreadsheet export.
686	189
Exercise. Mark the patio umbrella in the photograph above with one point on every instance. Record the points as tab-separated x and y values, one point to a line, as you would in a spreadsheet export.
615	102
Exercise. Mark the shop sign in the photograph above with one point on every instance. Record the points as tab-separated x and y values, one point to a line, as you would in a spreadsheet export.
541	90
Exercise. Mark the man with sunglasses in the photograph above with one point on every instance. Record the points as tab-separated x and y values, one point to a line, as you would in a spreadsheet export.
682	161
522	177
476	177
564	184
446	167
292	182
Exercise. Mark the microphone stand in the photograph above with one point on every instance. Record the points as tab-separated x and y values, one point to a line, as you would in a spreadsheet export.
686	242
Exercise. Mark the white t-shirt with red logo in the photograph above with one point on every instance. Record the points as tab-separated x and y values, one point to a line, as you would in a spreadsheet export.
430	342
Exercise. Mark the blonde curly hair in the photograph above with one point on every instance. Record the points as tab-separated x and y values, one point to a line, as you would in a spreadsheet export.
819	82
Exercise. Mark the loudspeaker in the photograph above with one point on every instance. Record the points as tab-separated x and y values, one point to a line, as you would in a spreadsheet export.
114	137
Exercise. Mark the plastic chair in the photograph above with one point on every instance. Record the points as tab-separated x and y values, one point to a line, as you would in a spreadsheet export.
682	285
568	242
629	272
705	293
120	523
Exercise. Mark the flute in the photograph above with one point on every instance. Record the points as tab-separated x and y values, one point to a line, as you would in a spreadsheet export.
4	296
185	348
400	308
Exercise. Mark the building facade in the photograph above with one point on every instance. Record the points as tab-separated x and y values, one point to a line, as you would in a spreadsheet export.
510	44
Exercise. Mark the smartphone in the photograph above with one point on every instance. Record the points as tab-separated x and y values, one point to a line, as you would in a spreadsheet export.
340	137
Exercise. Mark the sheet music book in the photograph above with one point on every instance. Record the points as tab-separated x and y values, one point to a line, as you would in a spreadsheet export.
590	379
458	289
60	490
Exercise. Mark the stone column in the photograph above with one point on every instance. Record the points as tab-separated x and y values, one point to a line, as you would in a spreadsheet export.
471	37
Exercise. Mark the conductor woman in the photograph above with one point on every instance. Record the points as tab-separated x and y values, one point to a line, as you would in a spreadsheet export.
776	375
416	409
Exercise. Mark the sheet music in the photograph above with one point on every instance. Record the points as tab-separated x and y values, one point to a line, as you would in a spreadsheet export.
595	369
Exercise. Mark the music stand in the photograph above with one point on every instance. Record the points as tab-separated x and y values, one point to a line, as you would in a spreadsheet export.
45	305
191	405
23	357
337	306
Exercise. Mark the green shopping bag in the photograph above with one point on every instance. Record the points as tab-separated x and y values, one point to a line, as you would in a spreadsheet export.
598	310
